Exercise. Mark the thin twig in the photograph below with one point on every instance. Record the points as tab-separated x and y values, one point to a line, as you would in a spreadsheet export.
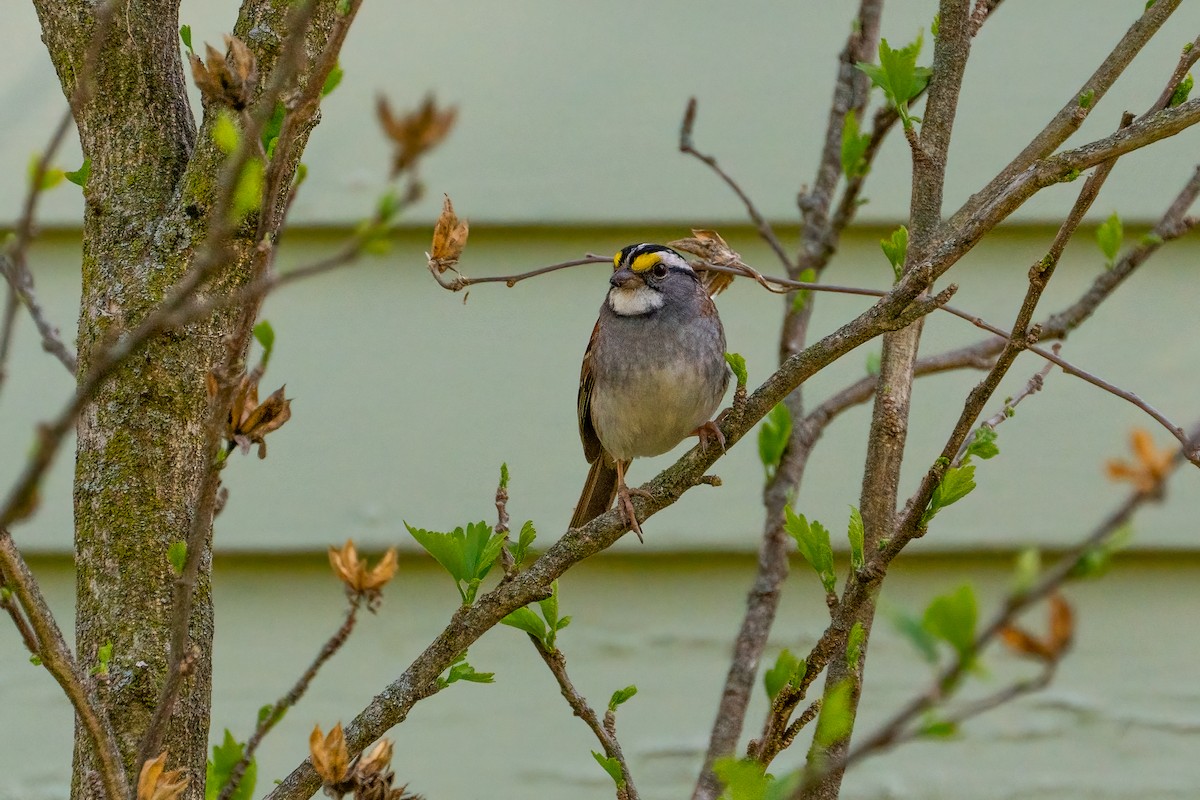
268	721
56	657
1032	387
760	222
557	663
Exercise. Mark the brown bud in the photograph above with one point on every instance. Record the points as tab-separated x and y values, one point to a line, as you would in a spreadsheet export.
330	758
449	238
226	79
415	133
156	784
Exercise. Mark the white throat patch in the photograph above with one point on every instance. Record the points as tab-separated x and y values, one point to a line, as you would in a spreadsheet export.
634	302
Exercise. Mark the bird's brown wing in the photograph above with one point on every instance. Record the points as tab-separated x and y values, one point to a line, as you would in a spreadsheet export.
587	433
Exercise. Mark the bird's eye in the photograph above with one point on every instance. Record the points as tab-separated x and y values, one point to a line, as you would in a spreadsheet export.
660	270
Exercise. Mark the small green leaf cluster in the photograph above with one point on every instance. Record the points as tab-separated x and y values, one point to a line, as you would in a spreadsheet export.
747	779
177	555
103	659
854	148
812	540
612	766
958	482
773	437
220	769
265	335
895	247
789	670
544	628
1110	236
520	551
620	697
836	717
808	275
898	75
460	670
1180	95
737	364
468	555
1097	560
952	617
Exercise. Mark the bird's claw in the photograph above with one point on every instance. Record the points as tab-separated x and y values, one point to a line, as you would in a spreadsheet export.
710	432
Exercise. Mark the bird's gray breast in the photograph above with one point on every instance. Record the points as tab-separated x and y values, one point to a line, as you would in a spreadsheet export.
657	378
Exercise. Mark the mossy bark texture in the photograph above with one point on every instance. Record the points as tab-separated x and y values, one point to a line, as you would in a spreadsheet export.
142	446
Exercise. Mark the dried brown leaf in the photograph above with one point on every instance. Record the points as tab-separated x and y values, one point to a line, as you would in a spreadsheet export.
330	758
449	238
226	79
415	133
1149	467
1062	625
1024	643
355	574
155	783
711	247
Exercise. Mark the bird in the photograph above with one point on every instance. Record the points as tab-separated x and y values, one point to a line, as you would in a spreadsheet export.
653	373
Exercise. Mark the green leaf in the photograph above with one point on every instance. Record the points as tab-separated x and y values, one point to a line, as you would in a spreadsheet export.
265	335
1028	567
898	75
521	549
1182	91
738	365
854	148
265	712
220	768
612	767
1086	98
343	7
895	247
773	437
225	133
936	25
912	629
1097	560
854	643
526	619
957	483
621	696
332	79
467	555
744	778
460	670
952	617
874	364
983	445
856	535
80	176
806	276
301	174
247	195
36	660
51	177
271	129
1109	236
503	475
103	659
185	35
836	718
813	542
177	554
788	669
934	728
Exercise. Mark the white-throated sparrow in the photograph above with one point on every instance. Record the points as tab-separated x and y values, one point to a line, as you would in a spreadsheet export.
654	372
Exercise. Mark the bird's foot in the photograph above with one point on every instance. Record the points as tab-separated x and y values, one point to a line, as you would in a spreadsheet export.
710	432
625	504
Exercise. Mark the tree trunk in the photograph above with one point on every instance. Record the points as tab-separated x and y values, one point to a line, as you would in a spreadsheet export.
142	445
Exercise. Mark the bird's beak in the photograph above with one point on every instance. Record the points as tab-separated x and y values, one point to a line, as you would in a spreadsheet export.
625	278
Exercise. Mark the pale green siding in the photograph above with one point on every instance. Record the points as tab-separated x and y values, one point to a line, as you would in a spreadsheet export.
407	401
570	111
1122	722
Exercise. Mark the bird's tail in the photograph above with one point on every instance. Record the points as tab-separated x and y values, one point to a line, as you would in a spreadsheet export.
598	491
